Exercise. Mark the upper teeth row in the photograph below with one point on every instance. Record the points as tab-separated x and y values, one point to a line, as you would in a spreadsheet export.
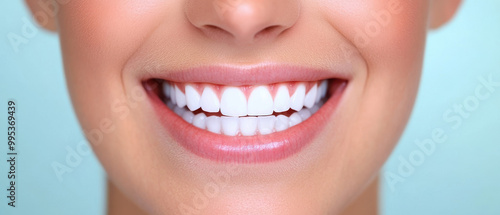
233	101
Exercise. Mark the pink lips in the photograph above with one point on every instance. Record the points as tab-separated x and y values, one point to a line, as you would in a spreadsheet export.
254	75
253	149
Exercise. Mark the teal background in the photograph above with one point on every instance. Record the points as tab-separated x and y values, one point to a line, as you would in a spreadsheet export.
461	176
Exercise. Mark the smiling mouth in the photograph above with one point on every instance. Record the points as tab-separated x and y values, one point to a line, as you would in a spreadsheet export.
226	120
244	110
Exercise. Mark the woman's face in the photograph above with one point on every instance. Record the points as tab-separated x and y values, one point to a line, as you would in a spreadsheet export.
353	66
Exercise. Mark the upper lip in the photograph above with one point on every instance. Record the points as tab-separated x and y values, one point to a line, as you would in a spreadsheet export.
239	75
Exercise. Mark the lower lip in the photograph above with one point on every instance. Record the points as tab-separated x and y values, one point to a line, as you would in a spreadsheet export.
240	149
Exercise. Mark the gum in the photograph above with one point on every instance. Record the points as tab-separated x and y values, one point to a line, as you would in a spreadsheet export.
247	90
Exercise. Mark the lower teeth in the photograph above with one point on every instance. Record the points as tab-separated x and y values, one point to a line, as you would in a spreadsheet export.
245	125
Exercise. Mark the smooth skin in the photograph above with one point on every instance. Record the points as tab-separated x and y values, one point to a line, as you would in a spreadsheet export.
109	45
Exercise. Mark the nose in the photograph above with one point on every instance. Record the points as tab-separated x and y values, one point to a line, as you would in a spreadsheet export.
243	21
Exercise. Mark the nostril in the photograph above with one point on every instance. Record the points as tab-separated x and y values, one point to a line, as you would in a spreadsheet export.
270	28
215	31
269	31
242	21
213	28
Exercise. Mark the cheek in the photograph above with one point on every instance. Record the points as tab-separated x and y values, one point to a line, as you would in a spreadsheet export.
390	37
111	29
395	40
97	39
394	59
392	41
389	34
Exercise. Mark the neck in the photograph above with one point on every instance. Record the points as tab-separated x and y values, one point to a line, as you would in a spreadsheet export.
119	204
365	204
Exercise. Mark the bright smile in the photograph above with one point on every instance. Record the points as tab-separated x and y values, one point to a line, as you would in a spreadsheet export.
263	114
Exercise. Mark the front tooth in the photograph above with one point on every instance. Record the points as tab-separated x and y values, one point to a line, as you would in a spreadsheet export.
192	98
295	119
282	123
213	124
297	99
310	97
230	125
209	101
188	116
304	114
260	102
180	97
199	120
248	126
233	102
172	94
282	99
266	124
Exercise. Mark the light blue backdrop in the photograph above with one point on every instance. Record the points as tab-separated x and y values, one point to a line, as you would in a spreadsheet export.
460	175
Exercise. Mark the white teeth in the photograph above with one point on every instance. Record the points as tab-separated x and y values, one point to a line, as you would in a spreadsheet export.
266	124
310	98
188	116
282	123
260	102
172	94
323	87
248	126
166	89
199	120
171	105
230	125
209	101
180	97
297	99
245	126
239	116
179	111
295	119
304	114
213	124
233	102
282	99
315	108
192	98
